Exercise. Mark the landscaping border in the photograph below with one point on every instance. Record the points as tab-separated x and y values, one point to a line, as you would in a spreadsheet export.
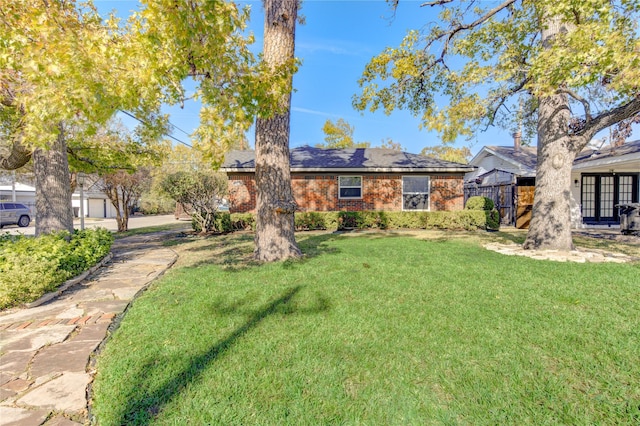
69	283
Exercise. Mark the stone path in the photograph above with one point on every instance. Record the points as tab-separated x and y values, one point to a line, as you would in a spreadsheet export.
46	350
580	256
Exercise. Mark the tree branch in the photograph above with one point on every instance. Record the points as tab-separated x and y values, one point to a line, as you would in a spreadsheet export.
583	101
435	3
18	157
463	27
611	117
503	98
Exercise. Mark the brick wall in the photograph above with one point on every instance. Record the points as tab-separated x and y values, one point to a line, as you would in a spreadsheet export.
447	192
319	192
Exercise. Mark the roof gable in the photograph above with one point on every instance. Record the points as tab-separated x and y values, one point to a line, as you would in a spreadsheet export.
525	156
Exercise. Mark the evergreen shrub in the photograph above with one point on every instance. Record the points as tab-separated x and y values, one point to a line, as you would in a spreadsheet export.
333	221
31	267
485	204
479	203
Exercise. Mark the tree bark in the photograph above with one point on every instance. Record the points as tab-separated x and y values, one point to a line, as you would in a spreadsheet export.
550	226
16	158
53	189
275	239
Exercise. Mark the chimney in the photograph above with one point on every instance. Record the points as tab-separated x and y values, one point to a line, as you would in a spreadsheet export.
517	137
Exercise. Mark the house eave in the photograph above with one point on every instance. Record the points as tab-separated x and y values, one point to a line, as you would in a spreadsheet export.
608	161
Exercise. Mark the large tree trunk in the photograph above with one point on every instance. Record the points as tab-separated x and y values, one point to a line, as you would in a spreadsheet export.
53	188
275	239
550	226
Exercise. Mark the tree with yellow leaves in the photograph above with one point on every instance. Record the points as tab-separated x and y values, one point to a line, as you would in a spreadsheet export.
571	69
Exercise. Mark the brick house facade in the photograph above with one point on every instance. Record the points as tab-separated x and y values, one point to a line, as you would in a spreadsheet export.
355	180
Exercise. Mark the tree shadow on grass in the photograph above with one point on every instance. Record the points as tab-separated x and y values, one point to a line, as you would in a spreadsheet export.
142	409
236	254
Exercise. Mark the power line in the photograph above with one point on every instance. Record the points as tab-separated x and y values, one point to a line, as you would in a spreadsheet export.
178	128
165	134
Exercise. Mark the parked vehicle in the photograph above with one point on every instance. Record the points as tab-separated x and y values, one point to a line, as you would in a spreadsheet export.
14	214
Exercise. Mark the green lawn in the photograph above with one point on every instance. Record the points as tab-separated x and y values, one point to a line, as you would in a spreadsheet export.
375	329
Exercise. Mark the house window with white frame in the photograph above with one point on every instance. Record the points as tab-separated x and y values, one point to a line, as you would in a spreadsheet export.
415	192
349	187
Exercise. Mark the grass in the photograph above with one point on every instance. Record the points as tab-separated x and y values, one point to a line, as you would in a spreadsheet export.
151	229
375	328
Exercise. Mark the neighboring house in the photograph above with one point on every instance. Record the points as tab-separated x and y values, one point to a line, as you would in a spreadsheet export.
355	179
96	203
19	193
601	179
604	178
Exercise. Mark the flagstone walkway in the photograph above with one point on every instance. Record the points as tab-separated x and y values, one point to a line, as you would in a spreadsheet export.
46	351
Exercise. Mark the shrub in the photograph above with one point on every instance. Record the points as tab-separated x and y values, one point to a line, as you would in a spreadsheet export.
200	193
479	203
308	221
243	222
486	204
218	222
31	267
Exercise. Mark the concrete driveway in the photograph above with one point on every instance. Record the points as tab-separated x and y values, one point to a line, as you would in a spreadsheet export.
110	224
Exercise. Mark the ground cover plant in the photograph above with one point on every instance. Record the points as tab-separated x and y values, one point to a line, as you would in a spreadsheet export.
375	328
31	267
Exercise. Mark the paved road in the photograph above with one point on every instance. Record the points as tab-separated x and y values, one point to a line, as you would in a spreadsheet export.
110	224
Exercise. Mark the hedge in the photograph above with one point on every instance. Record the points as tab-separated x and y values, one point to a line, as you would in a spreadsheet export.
485	204
31	267
309	221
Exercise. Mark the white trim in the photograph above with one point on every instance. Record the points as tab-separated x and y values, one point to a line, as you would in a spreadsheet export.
340	187
632	160
428	194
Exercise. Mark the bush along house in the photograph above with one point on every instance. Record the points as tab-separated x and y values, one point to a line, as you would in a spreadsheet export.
355	179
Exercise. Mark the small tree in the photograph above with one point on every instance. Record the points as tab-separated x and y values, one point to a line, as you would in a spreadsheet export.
199	193
391	144
124	190
447	153
339	135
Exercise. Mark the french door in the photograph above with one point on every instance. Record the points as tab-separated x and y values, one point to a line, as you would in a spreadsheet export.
601	192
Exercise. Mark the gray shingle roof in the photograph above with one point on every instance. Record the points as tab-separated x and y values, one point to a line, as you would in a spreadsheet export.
526	155
597	154
311	159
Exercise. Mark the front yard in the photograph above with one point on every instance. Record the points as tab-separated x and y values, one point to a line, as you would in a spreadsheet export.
376	328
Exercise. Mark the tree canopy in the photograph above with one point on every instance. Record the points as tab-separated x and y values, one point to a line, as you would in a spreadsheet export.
65	71
485	64
61	63
562	69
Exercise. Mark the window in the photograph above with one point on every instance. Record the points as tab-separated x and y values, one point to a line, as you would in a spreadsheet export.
350	187
601	193
415	192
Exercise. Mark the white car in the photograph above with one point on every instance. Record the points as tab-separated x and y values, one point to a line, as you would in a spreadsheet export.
14	214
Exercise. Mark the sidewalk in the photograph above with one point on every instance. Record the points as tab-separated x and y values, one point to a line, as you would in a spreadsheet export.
46	351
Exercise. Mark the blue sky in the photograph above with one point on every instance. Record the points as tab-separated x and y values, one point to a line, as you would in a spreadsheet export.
336	42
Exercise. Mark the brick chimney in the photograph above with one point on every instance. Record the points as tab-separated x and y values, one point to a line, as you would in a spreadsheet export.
517	139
